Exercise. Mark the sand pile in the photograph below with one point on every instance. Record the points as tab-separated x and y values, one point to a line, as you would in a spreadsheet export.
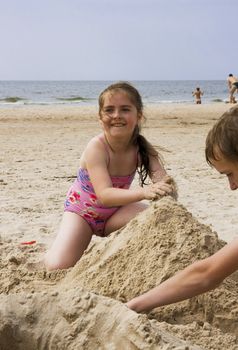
77	320
81	307
158	242
152	247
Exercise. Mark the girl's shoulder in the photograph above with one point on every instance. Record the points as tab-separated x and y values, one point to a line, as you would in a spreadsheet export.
96	141
95	148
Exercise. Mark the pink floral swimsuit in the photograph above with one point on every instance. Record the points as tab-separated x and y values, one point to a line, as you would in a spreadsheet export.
82	200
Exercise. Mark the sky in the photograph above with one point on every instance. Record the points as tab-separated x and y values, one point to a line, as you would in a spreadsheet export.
118	39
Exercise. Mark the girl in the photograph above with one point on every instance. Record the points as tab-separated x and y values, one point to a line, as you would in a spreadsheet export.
100	201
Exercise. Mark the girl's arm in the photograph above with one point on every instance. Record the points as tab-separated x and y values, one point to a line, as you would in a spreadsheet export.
96	163
158	174
157	171
197	278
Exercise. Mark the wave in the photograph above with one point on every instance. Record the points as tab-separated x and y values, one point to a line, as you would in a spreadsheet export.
168	101
217	100
58	102
12	99
76	100
73	98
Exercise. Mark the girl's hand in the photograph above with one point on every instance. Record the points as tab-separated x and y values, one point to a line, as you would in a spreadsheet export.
160	189
157	190
169	180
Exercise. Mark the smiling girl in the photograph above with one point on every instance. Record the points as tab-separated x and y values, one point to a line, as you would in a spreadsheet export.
100	200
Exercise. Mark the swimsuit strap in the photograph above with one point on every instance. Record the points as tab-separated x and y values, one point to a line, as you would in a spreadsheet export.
107	148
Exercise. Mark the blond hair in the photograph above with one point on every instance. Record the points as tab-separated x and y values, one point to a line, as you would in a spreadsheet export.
224	137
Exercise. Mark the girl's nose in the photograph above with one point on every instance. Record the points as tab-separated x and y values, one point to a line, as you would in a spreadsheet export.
116	113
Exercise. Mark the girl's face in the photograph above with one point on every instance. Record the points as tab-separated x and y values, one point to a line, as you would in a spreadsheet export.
227	167
118	114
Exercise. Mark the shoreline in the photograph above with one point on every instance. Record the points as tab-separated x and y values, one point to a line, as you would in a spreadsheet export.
14	106
86	92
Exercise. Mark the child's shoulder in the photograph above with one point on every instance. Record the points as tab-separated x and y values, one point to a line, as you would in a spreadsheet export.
95	141
95	144
95	150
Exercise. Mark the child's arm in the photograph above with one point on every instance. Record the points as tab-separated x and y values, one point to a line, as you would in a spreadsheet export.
195	279
157	170
96	161
158	174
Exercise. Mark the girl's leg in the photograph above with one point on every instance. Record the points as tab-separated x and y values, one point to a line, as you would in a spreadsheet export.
123	215
73	238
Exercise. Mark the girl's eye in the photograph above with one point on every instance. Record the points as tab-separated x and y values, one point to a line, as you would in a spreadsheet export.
108	110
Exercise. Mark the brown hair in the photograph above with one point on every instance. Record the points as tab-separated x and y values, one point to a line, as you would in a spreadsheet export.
145	148
224	136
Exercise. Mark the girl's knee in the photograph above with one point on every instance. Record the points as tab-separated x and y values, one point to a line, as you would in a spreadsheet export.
48	262
53	263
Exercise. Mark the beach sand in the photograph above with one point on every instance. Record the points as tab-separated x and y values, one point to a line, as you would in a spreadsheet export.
82	308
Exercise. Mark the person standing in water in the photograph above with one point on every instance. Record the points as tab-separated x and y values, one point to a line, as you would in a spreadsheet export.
198	95
232	82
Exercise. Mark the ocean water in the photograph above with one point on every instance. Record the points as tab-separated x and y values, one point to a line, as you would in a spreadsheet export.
18	93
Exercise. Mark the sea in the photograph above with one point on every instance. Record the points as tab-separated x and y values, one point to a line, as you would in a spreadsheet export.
18	93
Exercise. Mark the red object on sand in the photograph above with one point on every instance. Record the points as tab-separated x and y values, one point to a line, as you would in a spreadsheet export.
28	243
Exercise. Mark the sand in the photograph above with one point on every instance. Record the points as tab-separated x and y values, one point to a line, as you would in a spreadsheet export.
83	307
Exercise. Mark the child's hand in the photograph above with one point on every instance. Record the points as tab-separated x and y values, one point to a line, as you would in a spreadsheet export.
169	180
160	189
157	190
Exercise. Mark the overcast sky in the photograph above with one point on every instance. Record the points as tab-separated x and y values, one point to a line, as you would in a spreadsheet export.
118	39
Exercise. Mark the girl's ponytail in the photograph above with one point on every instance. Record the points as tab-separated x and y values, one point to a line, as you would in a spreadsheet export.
146	150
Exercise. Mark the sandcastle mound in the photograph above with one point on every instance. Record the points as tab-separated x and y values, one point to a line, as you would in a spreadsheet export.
77	308
152	247
77	320
160	241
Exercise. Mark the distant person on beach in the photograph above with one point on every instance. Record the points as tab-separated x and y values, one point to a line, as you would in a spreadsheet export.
221	153
232	82
100	200
198	96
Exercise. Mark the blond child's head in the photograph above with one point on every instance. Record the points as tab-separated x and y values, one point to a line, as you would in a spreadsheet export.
222	139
